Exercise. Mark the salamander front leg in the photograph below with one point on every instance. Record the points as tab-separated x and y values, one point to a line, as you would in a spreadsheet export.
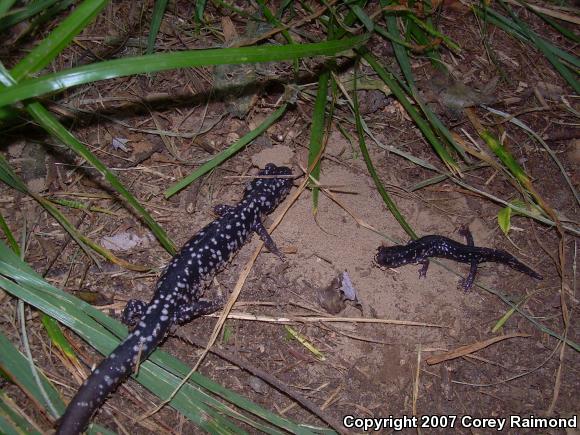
198	308
467	282
133	311
270	244
423	268
222	209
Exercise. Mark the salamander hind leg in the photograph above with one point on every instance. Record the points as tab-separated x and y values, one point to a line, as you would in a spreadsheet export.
198	308
133	311
270	244
467	282
423	269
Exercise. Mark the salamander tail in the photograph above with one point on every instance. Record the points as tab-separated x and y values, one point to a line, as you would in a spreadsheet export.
111	372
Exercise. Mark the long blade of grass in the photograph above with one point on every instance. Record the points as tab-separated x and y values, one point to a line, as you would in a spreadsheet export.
13	421
227	153
21	14
57	337
439	178
563	30
46	16
552	154
272	19
17	367
513	29
392	83
58	39
416	33
371	168
166	61
158	11
5	6
413	159
199	10
6	230
545	49
430	29
48	404
317	133
405	64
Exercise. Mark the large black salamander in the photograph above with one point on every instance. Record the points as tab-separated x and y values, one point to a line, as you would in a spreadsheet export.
176	299
419	251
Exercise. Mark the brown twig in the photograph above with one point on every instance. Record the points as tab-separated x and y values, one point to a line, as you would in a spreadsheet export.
470	348
266	377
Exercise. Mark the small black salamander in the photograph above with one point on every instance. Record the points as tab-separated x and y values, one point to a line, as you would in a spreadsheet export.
419	251
176	298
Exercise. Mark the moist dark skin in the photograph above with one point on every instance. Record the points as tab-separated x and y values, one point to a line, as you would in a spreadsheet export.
177	295
419	251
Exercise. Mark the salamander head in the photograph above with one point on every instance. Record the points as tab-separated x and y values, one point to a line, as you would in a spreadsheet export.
269	192
393	256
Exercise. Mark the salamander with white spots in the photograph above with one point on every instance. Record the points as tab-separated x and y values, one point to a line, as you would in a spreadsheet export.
419	251
177	294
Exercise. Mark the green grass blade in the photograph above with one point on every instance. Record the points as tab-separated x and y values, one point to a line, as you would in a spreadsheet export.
5	6
506	157
552	154
16	365
276	22
563	30
371	168
6	230
439	178
47	16
199	10
545	49
413	159
388	35
18	15
392	83
158	12
81	206
227	153
38	381
12	420
430	29
405	64
514	29
363	17
58	39
166	61
57	337
317	133
400	53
